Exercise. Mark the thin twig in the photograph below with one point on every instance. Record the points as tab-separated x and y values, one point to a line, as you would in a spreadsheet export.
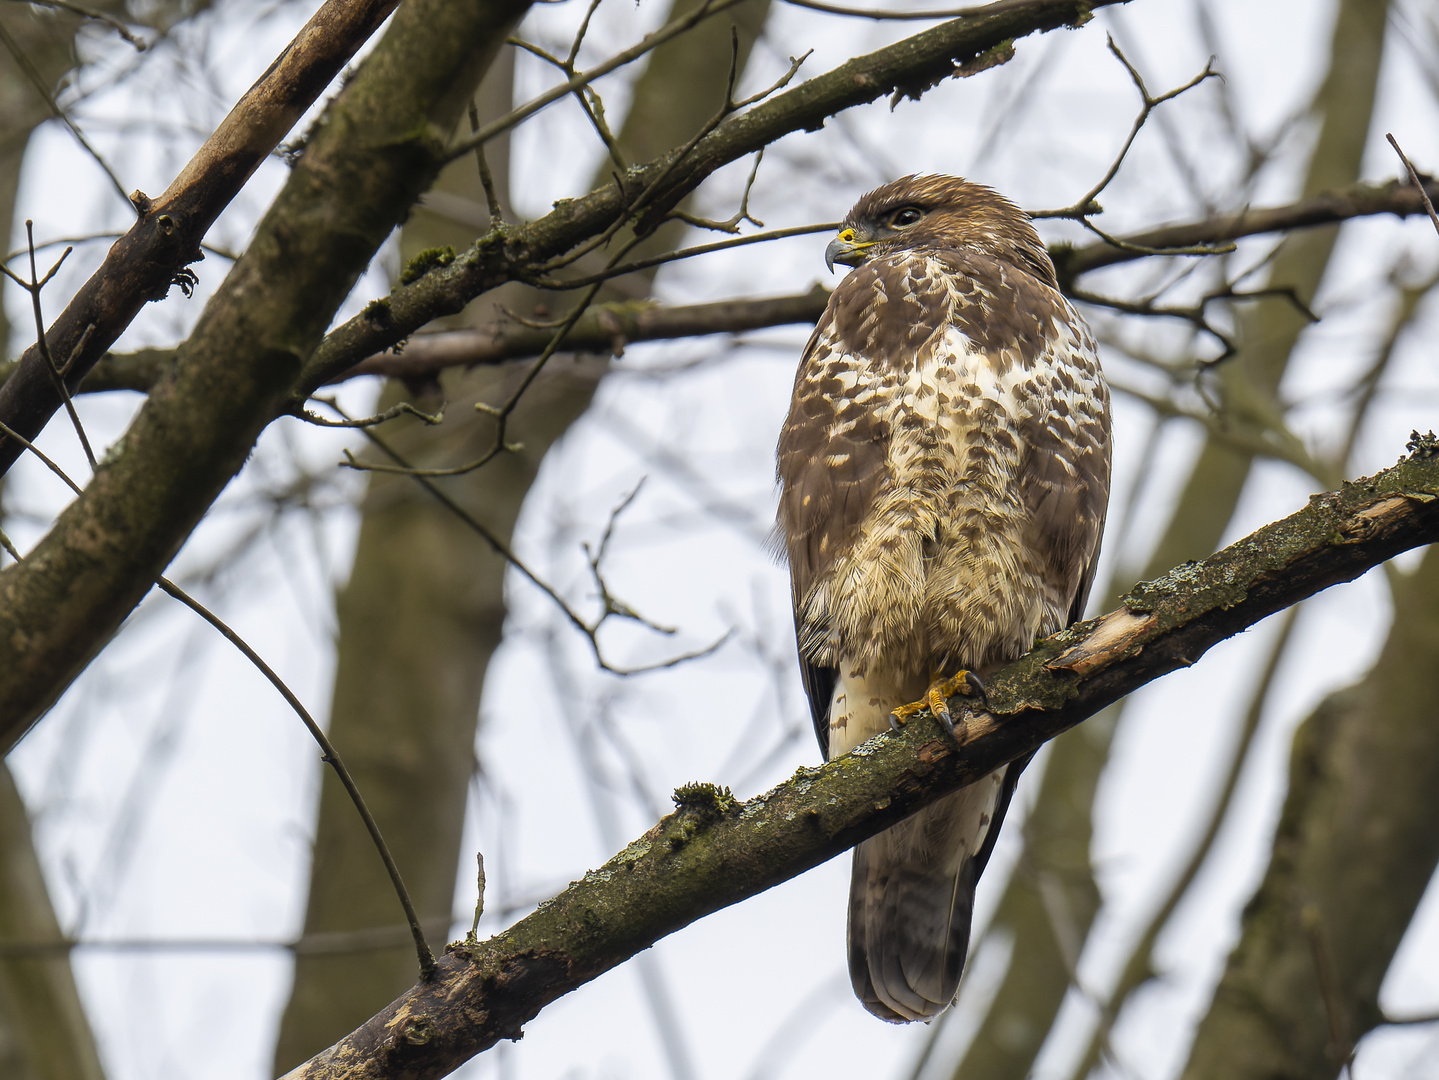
678	157
683	253
96	16
473	936
1414	176
328	752
1087	204
34	288
742	214
487	181
38	82
404	408
873	13
583	78
501	548
331	757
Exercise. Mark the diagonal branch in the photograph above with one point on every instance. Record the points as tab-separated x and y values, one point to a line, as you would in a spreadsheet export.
144	262
714	852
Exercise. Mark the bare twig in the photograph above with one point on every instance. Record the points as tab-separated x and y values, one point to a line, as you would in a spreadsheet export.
1418	183
332	758
328	753
583	78
487	181
676	160
732	224
57	376
877	13
404	408
1087	204
473	935
96	16
37	81
682	253
1197	314
501	548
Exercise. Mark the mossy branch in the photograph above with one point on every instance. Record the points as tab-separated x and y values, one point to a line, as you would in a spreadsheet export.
692	864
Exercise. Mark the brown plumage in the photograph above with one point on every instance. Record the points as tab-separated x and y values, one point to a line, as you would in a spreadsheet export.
945	473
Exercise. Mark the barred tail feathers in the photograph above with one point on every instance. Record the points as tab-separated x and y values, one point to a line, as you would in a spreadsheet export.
911	902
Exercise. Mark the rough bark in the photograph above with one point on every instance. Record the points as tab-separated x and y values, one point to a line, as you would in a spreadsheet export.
714	851
378	145
1355	849
425	606
1059	826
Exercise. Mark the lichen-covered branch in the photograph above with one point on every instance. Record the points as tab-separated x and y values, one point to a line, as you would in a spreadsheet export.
145	261
714	851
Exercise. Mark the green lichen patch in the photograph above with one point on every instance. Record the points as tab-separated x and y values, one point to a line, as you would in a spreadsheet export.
427	260
1422	447
705	797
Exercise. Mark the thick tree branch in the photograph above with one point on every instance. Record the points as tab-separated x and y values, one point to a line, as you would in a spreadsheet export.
143	263
713	851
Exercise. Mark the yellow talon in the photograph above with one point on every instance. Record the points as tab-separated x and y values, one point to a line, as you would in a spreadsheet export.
964	684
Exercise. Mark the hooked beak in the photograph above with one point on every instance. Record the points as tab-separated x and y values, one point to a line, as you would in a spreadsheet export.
848	249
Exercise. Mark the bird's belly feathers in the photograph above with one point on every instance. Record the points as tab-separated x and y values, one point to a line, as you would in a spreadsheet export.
940	575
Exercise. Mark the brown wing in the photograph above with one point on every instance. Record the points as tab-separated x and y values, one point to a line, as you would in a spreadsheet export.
1065	477
831	464
833	449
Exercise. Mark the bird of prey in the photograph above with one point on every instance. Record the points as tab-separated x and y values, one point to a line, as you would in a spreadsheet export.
944	476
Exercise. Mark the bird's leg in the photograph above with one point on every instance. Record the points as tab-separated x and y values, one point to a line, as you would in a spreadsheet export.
964	683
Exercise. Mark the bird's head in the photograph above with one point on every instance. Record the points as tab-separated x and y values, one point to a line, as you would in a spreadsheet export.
938	212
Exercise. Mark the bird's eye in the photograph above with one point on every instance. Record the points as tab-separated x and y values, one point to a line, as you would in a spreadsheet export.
906	217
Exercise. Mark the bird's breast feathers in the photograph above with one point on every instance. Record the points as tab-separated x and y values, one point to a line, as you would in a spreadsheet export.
949	389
